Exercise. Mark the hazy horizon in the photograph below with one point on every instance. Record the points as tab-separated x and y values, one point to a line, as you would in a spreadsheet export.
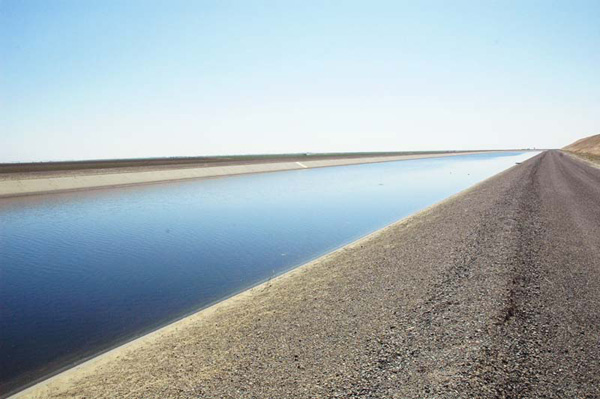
104	80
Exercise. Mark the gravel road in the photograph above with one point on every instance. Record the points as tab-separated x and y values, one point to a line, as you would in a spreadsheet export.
493	293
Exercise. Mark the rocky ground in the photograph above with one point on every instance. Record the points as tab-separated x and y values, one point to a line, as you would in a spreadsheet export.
493	293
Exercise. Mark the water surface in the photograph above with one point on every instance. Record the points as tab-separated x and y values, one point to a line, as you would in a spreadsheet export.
80	272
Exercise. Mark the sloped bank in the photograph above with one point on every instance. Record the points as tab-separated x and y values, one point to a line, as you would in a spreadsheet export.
82	180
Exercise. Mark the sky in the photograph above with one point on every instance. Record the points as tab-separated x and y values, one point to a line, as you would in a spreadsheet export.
96	79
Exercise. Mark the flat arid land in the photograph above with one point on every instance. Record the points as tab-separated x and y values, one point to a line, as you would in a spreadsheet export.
494	292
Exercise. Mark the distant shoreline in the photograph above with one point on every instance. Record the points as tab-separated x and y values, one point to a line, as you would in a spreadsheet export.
52	177
178	162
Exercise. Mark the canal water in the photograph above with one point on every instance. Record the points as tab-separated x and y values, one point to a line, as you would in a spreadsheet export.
81	272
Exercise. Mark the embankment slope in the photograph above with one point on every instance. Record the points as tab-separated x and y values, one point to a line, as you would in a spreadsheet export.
32	179
586	146
492	293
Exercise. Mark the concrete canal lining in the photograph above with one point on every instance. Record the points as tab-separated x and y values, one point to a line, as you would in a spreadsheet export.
82	180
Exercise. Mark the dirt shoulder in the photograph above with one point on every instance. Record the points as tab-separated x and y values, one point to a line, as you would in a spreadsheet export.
591	159
492	293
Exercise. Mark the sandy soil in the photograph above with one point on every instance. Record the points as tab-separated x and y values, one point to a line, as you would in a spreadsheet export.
588	146
494	292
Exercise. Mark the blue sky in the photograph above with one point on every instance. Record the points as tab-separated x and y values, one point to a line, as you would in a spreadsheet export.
118	79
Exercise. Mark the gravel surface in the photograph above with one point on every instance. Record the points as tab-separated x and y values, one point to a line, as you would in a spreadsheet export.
492	293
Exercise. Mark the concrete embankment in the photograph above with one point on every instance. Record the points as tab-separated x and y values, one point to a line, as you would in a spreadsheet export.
23	184
494	292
